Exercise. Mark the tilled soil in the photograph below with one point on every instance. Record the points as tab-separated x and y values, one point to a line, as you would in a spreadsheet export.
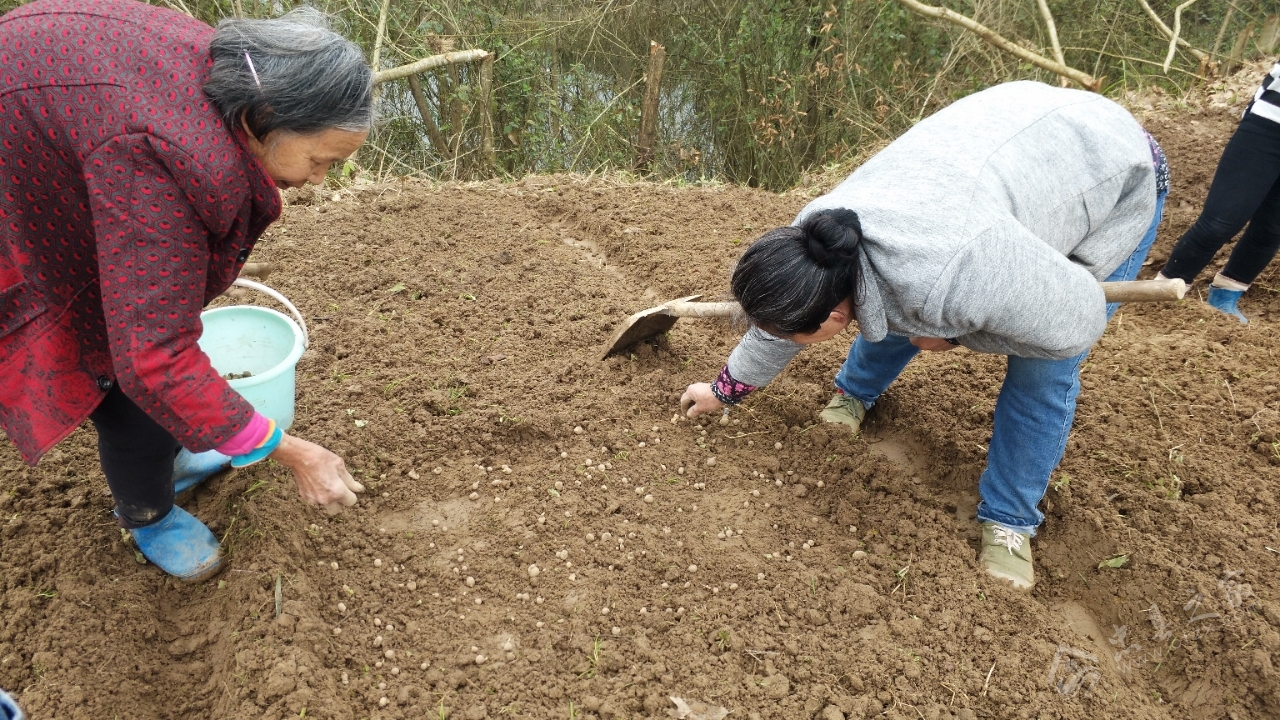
763	563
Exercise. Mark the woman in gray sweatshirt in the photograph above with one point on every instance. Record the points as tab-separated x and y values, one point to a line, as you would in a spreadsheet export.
989	226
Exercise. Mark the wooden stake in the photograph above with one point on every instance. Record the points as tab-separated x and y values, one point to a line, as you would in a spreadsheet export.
377	40
424	109
486	114
649	107
996	40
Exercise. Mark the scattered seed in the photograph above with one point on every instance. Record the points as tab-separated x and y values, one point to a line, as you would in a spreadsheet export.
423	666
342	607
337	631
382	702
377	642
577	430
711	462
333	565
377	562
693	568
390	654
648	498
533	573
733	586
777	446
474	496
617	630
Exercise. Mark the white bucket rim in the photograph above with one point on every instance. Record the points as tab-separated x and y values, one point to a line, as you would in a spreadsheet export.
290	361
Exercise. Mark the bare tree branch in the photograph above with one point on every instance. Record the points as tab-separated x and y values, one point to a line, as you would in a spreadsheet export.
377	40
995	39
427	63
1052	28
1197	54
1177	32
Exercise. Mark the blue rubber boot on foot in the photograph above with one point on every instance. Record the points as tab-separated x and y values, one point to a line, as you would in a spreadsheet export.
1225	301
191	469
9	709
180	545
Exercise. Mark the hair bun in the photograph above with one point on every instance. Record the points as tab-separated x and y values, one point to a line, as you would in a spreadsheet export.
831	237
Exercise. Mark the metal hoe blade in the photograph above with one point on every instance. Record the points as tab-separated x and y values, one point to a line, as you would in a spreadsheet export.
642	326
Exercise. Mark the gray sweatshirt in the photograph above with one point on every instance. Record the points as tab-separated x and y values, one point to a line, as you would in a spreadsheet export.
991	222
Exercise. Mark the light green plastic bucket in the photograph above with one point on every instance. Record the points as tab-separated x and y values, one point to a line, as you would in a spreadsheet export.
262	342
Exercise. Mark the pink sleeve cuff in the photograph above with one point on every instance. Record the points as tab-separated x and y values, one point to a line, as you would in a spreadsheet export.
249	438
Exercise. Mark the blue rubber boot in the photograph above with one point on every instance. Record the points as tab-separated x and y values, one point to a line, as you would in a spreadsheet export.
191	469
181	546
1225	301
9	709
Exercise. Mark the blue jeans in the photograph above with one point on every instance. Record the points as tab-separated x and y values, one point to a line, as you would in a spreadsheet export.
1034	411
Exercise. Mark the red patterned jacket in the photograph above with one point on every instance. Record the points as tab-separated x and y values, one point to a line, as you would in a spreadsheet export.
126	205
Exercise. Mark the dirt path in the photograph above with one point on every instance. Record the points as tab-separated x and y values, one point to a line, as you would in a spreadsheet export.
769	565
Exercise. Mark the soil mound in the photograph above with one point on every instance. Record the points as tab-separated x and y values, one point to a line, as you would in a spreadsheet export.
763	563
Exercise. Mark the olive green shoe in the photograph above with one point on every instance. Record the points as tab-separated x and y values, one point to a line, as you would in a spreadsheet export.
845	410
1006	555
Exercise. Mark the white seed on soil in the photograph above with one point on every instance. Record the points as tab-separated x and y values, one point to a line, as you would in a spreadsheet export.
413	475
680	471
606	536
495	483
471	582
778	483
693	568
377	622
711	462
777	446
382	686
604	611
390	626
333	565
559	485
435	523
382	702
378	665
720	536
562	554
591	537
724	419
423	666
377	562
639	489
640	444
648	498
345	679
437	470
859	554
474	495
508	646
538	624
759	576
533	571
506	469
564	455
733	586
573	576
412	585
542	519
395	671
755	493
337	631
617	630
342	607
577	430
377	642
390	654
479	601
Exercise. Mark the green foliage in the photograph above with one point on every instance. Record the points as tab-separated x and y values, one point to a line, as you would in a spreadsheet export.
758	92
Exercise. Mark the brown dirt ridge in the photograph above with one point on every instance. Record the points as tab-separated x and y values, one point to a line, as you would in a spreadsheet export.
768	564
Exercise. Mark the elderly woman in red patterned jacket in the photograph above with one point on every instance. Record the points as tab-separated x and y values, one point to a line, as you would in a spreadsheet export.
140	156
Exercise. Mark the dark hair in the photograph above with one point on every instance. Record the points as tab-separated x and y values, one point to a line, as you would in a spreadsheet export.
790	280
292	73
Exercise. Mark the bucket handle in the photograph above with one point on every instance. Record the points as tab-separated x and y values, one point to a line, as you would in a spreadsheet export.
252	285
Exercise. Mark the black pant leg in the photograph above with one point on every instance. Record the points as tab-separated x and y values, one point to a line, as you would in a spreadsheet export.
1245	178
1258	245
137	458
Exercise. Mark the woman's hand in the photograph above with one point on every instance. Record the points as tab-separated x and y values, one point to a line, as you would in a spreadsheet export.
933	344
699	399
321	476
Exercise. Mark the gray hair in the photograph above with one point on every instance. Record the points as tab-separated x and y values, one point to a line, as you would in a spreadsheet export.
292	73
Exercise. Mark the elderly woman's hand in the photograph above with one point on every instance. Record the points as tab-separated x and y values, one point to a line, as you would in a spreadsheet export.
321	476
